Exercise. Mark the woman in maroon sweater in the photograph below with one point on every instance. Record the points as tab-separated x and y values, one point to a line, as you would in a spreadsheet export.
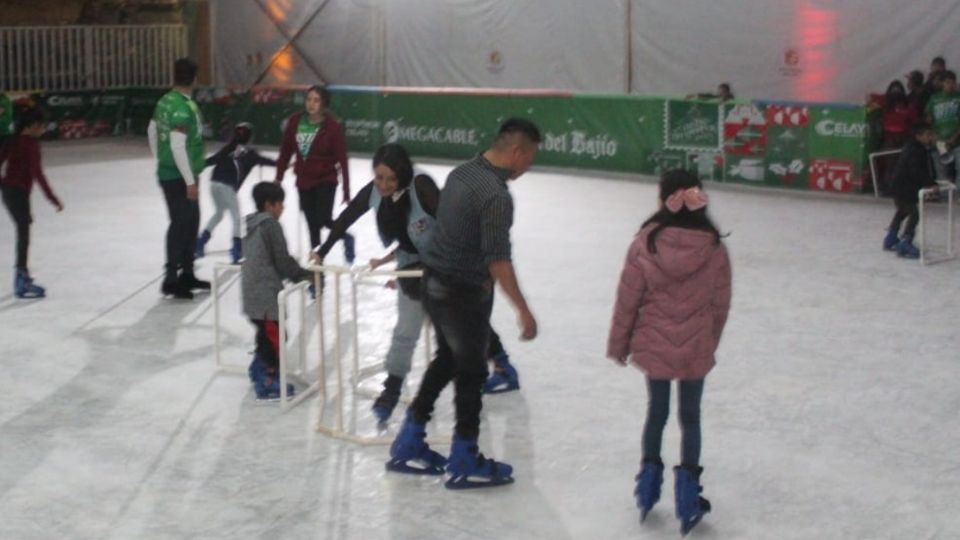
316	140
21	155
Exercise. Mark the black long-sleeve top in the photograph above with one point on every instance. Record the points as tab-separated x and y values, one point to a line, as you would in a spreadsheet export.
392	216
231	166
912	171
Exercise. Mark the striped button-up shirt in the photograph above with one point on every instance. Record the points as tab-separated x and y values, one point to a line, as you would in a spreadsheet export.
473	222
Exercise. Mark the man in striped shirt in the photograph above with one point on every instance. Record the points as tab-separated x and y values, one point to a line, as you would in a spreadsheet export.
469	251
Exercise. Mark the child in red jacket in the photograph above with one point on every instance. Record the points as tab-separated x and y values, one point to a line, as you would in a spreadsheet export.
672	304
19	168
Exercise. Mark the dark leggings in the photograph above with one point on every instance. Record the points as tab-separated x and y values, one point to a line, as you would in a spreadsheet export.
17	202
659	408
906	210
317	206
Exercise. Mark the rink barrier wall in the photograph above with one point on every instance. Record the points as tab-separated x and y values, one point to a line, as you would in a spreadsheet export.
808	146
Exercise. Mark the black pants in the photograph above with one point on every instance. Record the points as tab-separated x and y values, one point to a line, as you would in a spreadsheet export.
17	202
906	210
460	314
183	229
317	206
496	347
268	342
659	408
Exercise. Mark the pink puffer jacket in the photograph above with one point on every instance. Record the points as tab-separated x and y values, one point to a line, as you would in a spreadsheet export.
671	305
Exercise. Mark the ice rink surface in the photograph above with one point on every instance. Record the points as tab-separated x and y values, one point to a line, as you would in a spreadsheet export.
832	411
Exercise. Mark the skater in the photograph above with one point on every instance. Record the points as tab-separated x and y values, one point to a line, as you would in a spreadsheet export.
20	158
910	175
468	252
231	165
943	113
672	304
316	139
265	265
405	203
176	140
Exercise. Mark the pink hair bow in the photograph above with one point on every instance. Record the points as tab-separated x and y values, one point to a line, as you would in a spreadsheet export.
693	199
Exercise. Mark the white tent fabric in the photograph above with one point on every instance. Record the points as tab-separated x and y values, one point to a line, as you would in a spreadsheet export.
807	50
810	50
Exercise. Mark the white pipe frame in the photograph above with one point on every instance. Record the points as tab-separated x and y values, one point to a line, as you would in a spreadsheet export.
950	189
358	276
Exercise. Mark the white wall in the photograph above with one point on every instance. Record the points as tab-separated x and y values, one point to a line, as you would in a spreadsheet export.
815	50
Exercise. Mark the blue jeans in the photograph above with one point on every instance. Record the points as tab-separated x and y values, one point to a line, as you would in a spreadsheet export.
460	313
659	408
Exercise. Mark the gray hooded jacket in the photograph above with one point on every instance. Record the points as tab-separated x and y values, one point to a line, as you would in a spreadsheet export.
266	264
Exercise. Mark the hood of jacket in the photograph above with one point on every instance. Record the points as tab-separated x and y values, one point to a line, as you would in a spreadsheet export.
682	252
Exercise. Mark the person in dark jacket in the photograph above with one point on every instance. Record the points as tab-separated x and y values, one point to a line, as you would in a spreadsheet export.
404	200
19	169
911	174
231	166
315	139
266	265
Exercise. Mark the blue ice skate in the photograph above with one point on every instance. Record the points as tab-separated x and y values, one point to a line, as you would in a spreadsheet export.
200	248
649	480
267	387
410	453
504	377
906	249
891	240
257	369
469	468
236	251
24	287
691	507
388	399
349	248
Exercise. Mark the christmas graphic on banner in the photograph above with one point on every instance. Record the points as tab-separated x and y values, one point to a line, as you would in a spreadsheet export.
747	169
786	160
692	125
787	115
744	131
831	175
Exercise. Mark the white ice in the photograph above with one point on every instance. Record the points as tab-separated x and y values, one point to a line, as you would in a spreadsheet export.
832	411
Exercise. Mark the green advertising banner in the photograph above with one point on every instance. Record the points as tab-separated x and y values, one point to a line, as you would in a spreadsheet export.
140	105
819	147
75	115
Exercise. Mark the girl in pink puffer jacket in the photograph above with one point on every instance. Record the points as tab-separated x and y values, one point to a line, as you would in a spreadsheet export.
672	304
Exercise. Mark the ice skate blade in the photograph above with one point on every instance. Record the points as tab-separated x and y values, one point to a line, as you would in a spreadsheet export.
403	467
687	526
464	482
273	398
502	389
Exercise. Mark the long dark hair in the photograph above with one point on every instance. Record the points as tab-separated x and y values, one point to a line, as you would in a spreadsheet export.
321	91
685	218
396	158
895	98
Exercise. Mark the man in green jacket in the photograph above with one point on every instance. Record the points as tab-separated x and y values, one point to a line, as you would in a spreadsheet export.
176	140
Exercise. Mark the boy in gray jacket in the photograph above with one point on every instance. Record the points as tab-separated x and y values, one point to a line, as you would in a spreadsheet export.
266	264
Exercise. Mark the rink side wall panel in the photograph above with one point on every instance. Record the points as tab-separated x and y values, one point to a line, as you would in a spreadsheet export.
796	145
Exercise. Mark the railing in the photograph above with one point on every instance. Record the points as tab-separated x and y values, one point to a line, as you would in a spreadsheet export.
63	58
